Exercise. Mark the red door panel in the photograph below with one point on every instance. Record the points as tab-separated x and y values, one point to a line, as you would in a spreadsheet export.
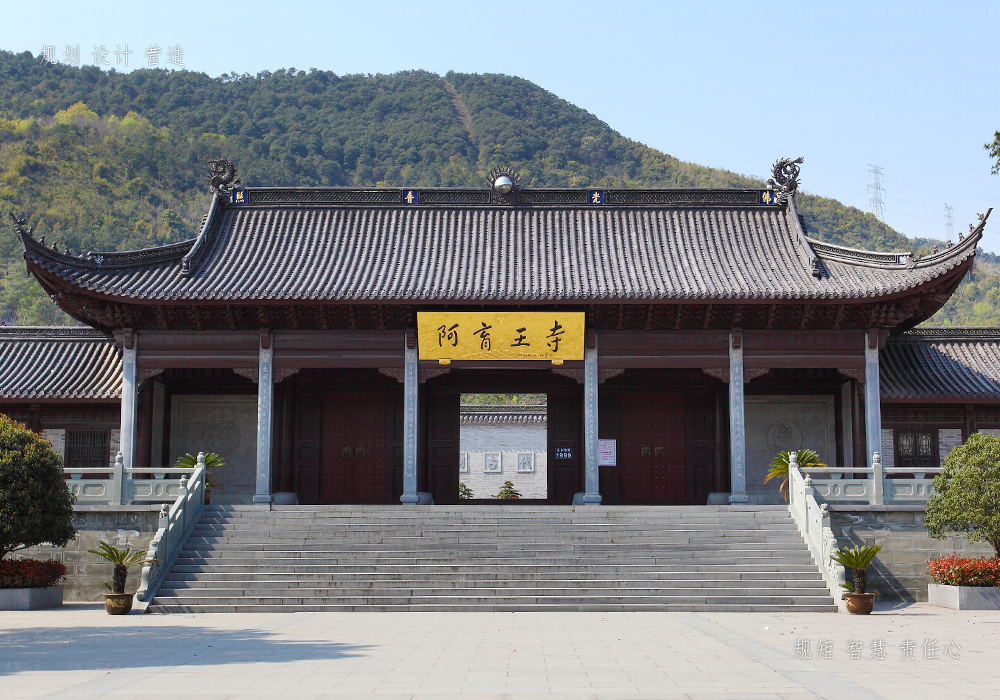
353	449
651	451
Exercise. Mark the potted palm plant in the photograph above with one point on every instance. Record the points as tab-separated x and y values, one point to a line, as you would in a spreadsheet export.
118	602
779	467
212	460
858	598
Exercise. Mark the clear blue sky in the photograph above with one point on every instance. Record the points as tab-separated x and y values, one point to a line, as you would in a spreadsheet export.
909	86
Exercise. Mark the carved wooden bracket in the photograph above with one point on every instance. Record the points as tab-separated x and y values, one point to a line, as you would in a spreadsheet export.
578	375
856	374
277	375
248	372
720	373
423	374
144	373
282	373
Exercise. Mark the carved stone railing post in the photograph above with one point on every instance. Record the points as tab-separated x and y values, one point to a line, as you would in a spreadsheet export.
118	482
877	497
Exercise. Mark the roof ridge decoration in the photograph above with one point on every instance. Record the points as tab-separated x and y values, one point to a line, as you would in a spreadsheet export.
503	181
199	243
20	223
902	259
13	333
942	334
785	178
223	177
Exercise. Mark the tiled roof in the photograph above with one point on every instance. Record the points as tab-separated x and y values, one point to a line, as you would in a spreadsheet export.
478	414
58	363
946	364
673	249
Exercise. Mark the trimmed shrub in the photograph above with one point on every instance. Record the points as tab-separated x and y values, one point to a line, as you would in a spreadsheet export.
35	503
966	495
30	573
953	570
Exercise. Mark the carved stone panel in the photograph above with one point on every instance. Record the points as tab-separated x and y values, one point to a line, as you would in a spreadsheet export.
784	423
225	424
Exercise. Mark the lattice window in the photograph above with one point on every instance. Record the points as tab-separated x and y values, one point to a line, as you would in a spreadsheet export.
916	449
86	449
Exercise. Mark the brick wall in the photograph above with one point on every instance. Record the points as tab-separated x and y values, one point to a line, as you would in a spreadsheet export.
57	436
898	572
122	526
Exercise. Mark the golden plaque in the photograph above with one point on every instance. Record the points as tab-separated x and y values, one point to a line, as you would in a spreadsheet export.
515	335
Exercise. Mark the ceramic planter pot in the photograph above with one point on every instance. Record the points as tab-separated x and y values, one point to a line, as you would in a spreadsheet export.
118	603
860	603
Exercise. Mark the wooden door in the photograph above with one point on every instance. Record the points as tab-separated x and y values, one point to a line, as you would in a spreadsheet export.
354	468
651	450
443	434
308	431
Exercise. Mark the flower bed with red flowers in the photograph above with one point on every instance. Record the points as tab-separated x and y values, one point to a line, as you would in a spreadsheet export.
30	573
953	570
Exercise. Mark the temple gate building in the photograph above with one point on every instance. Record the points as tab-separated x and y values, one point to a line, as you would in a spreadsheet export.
701	330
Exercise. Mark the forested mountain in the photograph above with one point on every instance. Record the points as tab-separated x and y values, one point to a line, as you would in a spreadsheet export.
105	160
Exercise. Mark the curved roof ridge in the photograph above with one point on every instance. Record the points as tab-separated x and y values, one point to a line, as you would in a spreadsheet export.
957	333
60	332
902	259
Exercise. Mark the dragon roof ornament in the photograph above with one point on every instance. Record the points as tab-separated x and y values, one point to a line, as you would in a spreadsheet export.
785	178
223	176
19	225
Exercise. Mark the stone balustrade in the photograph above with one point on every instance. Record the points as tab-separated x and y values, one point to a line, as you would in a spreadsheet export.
118	485
875	485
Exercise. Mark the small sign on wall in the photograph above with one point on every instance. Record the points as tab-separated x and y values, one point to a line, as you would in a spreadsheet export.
564	453
607	453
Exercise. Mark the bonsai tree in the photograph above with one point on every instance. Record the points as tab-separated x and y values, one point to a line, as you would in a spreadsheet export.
464	492
857	559
123	559
507	492
779	467
966	494
212	460
35	503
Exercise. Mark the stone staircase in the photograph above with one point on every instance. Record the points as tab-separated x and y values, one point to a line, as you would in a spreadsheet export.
494	558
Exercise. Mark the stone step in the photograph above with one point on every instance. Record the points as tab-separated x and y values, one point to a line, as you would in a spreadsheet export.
571	597
503	558
743	607
341	585
336	576
456	568
509	589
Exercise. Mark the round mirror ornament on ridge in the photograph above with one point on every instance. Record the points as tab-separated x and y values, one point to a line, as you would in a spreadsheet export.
503	180
503	184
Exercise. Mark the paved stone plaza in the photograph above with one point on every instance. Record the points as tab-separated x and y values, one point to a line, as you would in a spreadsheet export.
79	652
